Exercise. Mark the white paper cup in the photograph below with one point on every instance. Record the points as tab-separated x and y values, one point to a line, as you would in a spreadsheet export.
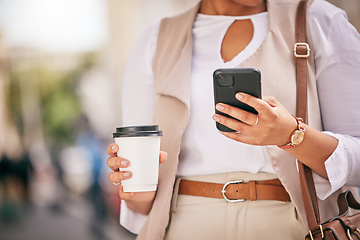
141	146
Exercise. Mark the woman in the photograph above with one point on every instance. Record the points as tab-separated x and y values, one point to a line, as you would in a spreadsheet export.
177	59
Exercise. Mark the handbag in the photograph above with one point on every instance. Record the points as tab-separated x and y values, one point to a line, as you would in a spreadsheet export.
343	226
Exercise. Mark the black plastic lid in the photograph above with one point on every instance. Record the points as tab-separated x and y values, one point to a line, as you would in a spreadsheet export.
137	128
137	131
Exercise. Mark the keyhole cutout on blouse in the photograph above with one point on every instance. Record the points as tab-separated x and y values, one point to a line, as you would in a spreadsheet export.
237	37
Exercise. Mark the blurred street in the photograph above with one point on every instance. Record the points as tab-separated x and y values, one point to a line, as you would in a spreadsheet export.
58	223
61	65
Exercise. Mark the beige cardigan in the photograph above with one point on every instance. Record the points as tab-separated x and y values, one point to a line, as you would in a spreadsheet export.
172	68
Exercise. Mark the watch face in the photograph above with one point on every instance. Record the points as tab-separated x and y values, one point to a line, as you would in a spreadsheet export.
297	137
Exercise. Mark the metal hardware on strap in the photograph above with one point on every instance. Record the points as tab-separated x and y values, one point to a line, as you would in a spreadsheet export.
311	236
298	47
223	191
349	234
322	232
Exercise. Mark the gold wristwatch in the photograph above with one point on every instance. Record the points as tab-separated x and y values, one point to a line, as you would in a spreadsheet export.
296	136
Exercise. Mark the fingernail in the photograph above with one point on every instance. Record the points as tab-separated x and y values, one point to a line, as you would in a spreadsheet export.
220	107
113	147
126	174
216	118
239	96
123	163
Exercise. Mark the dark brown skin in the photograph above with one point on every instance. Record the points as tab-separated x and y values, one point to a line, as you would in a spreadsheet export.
232	7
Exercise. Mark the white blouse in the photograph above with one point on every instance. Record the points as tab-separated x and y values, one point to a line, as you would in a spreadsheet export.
203	149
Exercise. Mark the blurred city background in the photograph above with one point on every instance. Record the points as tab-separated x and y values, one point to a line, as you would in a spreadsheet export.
61	64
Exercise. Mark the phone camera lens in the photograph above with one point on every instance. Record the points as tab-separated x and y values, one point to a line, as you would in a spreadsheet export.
225	80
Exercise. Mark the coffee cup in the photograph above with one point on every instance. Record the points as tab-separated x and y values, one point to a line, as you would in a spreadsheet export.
141	146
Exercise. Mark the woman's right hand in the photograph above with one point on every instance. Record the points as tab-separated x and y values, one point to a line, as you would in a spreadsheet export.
138	201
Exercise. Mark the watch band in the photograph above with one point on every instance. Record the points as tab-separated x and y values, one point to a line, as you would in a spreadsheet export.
300	128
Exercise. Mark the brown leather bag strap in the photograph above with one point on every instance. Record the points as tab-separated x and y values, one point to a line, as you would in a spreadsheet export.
345	201
302	52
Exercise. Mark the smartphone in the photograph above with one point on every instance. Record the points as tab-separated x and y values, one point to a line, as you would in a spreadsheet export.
228	82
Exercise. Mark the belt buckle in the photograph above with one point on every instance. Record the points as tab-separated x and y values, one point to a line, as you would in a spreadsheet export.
223	191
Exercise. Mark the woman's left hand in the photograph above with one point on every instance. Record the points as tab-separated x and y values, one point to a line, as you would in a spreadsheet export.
272	126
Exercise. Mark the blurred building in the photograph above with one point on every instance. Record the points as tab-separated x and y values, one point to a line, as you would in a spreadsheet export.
59	62
3	60
9	133
352	8
127	19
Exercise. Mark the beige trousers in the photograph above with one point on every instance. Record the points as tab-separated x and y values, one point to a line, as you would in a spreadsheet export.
209	218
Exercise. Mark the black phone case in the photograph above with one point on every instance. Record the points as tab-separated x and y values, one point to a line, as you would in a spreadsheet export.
228	82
